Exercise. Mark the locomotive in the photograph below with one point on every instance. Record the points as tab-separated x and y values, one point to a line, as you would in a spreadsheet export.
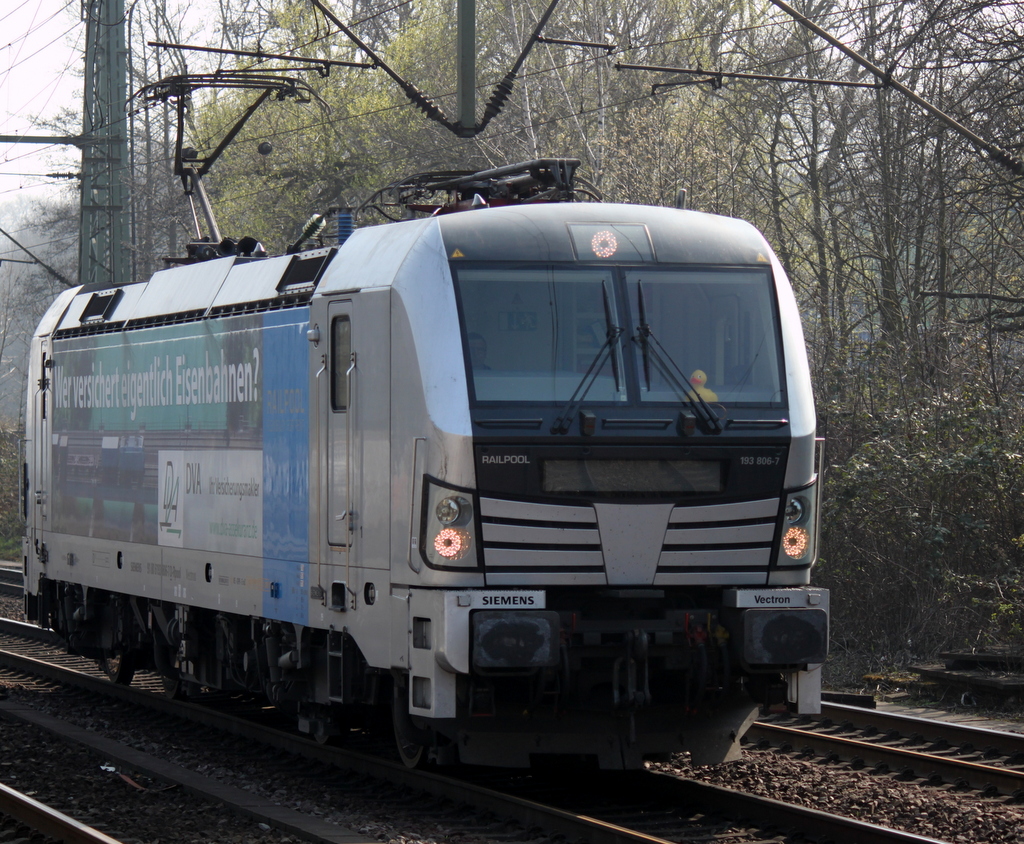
539	476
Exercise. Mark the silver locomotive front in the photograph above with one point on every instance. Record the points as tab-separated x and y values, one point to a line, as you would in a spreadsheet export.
612	518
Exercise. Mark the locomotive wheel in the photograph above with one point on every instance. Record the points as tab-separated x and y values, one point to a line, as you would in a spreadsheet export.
173	688
323	735
413	754
119	668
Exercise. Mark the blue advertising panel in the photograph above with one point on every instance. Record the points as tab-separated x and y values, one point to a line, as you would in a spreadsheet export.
286	465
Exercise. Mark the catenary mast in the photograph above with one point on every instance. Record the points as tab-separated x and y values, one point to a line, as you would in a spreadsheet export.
104	235
103	255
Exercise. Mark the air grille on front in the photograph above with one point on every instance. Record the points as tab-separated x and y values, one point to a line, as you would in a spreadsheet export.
715	543
520	535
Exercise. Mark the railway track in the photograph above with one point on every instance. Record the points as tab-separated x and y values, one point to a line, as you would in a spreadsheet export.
21	816
22	819
910	748
639	808
11	579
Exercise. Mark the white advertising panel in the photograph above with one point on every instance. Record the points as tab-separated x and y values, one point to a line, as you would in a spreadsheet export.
211	500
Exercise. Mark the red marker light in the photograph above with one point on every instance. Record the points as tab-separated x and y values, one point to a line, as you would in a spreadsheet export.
452	544
795	542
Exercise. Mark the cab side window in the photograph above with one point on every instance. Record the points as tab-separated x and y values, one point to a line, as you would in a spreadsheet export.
341	354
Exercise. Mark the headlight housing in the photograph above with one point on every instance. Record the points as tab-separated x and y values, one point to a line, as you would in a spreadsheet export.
799	523
449	527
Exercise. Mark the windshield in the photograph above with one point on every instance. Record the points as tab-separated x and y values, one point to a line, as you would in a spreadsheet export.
716	326
533	332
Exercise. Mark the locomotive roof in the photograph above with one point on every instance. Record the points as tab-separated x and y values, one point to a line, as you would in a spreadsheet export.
541	232
373	257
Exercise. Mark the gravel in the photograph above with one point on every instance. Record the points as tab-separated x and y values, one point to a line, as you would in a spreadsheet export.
74	782
933	811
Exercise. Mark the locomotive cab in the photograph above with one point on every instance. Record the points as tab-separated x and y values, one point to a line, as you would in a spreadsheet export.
633	491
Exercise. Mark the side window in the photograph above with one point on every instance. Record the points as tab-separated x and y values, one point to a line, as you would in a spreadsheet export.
341	354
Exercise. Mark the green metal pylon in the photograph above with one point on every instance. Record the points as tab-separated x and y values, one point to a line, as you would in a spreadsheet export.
104	234
465	55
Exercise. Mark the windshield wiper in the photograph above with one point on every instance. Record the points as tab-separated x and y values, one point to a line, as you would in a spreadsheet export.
654	352
612	332
645	333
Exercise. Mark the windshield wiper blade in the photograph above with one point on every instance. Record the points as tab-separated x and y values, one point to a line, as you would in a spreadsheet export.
564	419
645	333
654	352
610	327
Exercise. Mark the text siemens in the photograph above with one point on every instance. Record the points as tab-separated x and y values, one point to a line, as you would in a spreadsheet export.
508	601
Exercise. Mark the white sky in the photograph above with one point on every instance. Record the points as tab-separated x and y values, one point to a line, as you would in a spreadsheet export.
41	46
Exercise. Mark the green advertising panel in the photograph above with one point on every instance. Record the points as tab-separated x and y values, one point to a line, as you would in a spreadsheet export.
127	405
204	375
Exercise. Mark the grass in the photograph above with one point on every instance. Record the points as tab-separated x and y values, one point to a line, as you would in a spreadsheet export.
10	547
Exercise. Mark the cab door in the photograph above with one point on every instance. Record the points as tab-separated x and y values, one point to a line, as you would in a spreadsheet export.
339	446
352	464
35	473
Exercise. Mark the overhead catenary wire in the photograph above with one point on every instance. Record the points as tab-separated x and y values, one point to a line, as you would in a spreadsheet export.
55	273
995	152
499	96
564	65
36	26
505	133
716	76
740	30
21	60
493	107
582	112
262	56
39	51
34	93
322	123
737	30
4	253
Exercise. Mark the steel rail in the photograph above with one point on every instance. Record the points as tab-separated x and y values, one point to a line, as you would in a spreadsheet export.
811	822
526	812
735	804
29	631
41	818
929	766
933	728
12	580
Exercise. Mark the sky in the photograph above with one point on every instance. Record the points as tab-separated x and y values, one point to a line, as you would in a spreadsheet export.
41	46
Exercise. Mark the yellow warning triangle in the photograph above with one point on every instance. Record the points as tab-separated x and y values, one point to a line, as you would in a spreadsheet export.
761	258
458	254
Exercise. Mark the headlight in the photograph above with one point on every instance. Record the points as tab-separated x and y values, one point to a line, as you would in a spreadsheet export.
453	510
796	507
798	540
448	528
